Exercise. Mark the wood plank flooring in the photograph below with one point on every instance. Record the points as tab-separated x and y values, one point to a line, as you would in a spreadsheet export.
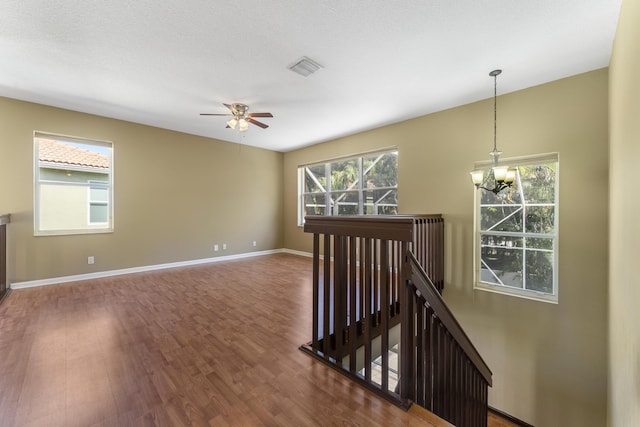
495	420
211	345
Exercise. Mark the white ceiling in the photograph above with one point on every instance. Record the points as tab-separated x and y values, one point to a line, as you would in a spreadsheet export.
161	63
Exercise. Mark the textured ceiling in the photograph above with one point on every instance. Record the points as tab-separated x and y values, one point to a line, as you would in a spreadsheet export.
161	63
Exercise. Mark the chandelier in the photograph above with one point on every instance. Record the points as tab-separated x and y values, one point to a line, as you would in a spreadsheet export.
499	177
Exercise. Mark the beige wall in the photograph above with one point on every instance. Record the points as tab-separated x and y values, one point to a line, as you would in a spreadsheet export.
624	234
549	361
175	196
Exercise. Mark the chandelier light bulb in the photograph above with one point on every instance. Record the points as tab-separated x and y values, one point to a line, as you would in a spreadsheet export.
477	177
232	123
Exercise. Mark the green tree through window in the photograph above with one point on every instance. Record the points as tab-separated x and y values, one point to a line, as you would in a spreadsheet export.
364	185
516	229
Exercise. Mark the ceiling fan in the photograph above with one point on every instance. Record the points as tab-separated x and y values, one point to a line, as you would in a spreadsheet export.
241	117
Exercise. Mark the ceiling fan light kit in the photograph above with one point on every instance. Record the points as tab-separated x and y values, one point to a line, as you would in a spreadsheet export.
241	117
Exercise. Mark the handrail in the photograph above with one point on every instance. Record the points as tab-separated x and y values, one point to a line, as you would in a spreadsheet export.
429	292
389	227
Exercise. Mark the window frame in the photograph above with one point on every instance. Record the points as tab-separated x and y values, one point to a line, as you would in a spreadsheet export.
92	228
360	190
531	294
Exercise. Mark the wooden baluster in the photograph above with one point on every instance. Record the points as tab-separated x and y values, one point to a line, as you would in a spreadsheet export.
485	404
478	400
452	379
425	250
467	390
428	356
316	290
472	398
437	255
432	250
376	282
353	303
458	405
393	278
442	368
399	270
384	312
338	295
447	375
367	319
417	240
421	349
362	283
326	301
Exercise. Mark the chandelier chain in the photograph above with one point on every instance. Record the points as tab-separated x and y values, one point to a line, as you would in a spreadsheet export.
495	110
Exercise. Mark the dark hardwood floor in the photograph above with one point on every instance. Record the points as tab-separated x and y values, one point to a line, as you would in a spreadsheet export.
212	345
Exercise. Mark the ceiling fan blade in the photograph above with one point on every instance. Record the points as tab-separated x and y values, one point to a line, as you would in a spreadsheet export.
257	123
212	114
259	115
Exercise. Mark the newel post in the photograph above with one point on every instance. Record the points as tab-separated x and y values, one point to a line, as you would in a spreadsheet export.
407	356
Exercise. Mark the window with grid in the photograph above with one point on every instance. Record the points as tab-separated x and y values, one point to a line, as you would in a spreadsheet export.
362	185
73	185
516	249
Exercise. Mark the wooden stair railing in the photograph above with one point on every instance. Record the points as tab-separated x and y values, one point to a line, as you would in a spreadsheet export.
450	376
379	319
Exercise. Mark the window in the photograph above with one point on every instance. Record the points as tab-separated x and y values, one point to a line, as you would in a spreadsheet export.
363	185
516	239
98	202
73	185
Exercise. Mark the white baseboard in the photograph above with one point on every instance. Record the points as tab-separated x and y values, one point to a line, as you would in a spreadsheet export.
300	253
100	274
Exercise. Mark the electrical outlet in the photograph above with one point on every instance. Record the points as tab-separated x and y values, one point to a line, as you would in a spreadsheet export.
224	246
215	248
255	243
90	260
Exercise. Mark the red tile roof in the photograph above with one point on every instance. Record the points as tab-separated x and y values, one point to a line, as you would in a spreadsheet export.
58	152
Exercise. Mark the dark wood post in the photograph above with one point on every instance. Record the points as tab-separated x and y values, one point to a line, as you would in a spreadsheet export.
406	343
4	220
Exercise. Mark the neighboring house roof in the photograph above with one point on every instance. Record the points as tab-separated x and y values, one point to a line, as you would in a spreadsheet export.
57	152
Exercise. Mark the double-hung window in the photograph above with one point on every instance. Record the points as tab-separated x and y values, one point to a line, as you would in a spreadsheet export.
73	185
361	185
516	232
98	202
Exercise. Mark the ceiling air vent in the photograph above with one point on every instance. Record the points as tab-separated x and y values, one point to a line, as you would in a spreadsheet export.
305	66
